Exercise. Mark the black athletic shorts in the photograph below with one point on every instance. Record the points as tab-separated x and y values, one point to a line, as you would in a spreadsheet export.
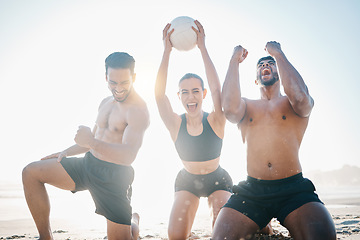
203	185
262	200
108	183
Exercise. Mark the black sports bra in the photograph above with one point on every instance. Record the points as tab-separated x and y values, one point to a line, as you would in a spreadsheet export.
201	148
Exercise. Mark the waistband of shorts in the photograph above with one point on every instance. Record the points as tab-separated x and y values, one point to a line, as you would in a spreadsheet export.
100	162
213	172
277	181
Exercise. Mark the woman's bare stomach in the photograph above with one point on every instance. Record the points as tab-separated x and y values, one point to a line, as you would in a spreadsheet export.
201	168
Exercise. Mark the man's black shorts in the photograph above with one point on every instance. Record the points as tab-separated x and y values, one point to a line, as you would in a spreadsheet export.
108	183
262	200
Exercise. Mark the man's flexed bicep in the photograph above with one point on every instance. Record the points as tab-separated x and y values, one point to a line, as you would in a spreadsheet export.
138	122
124	153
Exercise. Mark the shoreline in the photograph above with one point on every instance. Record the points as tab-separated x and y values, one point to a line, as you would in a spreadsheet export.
346	219
72	216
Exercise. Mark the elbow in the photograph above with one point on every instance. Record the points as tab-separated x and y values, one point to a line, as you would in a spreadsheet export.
227	105
132	154
159	95
227	110
301	97
303	105
231	114
124	158
234	110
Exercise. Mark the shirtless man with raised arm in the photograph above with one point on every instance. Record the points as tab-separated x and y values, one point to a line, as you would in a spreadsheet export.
105	170
272	127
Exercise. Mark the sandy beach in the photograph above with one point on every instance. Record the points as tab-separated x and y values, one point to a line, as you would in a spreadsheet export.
16	221
347	222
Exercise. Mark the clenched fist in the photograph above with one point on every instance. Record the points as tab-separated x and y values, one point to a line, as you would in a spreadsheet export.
84	136
239	53
273	48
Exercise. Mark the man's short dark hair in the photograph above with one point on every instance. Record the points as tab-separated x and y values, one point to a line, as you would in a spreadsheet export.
265	58
192	75
120	60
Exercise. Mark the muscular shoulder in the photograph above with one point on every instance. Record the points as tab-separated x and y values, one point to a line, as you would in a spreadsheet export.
138	114
106	100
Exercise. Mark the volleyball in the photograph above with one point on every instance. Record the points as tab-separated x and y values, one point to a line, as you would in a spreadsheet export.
184	37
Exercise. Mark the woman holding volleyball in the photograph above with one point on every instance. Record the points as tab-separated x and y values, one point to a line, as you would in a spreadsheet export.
197	136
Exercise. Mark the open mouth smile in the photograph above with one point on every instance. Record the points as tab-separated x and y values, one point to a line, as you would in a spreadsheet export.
266	71
192	106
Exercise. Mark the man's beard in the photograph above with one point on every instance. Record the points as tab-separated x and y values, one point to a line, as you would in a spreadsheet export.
123	98
271	81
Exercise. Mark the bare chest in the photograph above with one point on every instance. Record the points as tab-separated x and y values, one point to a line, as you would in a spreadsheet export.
272	120
273	134
111	119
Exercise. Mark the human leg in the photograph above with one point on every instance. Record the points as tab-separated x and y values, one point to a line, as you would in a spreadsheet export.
244	213
311	221
302	212
34	177
116	231
110	187
182	215
216	201
233	225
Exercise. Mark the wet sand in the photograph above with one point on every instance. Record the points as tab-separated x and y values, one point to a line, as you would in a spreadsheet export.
346	219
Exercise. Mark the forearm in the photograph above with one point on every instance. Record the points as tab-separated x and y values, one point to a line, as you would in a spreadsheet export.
122	154
160	85
291	80
294	85
231	93
233	105
75	150
211	74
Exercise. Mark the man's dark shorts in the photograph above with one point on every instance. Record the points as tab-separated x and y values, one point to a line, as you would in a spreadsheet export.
262	200
108	183
203	185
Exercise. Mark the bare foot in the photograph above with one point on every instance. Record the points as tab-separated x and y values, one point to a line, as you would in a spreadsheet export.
193	236
135	226
268	229
135	218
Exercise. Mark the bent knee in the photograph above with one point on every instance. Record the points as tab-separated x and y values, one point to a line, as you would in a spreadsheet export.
322	231
26	172
29	171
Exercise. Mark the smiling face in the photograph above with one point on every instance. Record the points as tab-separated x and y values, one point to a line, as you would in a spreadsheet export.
120	82
191	95
267	73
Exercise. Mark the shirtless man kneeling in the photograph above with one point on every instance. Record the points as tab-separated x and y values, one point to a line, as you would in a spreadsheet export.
105	170
272	127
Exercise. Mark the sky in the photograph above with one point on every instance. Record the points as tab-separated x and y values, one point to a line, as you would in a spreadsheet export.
52	76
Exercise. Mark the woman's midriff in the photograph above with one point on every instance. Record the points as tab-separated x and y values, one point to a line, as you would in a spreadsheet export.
201	168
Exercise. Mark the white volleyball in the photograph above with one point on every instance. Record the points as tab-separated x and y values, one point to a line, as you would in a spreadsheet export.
184	37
